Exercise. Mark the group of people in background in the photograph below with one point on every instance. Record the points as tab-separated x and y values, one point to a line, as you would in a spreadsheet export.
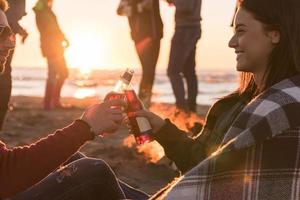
248	149
147	30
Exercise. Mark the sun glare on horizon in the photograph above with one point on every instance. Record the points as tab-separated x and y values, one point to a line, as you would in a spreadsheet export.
86	51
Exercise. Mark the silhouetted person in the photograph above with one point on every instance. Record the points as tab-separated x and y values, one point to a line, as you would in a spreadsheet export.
52	40
146	31
14	14
183	49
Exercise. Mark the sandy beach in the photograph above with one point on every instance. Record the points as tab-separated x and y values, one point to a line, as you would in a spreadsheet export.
142	167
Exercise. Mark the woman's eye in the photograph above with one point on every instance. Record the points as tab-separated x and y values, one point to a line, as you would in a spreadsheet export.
239	31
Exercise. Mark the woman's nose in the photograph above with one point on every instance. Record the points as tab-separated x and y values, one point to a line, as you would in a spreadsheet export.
233	42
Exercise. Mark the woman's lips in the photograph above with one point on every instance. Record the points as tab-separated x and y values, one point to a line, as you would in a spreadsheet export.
239	54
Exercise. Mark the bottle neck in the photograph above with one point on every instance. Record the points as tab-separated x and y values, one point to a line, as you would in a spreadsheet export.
121	86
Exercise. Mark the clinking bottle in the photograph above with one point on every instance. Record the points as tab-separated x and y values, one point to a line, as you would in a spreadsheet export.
140	126
122	84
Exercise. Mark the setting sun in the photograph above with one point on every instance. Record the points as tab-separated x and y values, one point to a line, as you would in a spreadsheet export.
86	50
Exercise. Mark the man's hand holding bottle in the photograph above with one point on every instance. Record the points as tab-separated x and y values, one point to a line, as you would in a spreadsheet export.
105	117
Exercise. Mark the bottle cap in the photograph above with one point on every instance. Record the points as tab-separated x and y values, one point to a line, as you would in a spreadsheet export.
127	76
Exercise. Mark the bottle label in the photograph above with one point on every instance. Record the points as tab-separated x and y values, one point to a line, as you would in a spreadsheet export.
113	96
143	124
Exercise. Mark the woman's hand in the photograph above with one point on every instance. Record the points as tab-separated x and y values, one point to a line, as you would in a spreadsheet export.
105	117
156	121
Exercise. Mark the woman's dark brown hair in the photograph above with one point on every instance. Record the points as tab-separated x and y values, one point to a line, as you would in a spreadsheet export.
284	61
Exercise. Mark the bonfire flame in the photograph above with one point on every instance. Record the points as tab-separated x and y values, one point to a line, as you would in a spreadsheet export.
153	152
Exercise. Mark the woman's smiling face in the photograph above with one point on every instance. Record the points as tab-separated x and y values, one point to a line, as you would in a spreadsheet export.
253	44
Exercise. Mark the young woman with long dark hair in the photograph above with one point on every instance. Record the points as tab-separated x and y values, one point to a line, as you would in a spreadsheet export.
250	145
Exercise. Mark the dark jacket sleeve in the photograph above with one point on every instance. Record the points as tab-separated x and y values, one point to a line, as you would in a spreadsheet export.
22	167
15	13
16	27
185	151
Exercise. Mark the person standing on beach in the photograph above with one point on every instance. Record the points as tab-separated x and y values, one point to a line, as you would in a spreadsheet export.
146	31
182	55
14	14
53	44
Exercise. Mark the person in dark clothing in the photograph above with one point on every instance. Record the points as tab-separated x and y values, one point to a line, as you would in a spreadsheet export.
183	51
146	31
53	44
14	14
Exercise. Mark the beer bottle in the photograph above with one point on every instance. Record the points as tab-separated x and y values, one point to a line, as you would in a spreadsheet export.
140	126
121	85
118	91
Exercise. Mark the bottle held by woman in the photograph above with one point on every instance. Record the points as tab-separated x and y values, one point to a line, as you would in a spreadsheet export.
139	126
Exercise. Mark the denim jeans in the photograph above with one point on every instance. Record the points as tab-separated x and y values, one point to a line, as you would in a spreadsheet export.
148	58
81	178
182	66
57	68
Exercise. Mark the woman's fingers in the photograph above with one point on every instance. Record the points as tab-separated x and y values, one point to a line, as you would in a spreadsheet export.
143	113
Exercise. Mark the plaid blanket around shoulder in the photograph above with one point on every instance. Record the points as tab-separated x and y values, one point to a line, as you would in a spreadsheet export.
260	154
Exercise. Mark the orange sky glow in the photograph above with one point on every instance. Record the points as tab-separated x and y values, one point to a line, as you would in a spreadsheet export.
101	40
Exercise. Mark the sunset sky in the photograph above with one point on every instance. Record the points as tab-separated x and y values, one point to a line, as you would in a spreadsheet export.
101	39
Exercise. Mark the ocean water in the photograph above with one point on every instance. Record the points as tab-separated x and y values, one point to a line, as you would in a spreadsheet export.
97	83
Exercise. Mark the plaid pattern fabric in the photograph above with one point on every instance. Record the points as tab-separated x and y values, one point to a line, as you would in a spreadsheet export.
260	155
